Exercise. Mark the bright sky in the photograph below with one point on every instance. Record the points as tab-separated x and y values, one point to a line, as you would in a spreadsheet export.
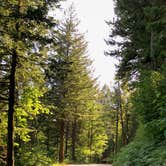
93	14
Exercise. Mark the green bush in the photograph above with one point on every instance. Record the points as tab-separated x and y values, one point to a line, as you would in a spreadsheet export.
35	157
142	152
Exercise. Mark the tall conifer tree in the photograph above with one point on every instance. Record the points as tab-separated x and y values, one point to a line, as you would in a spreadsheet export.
69	79
24	31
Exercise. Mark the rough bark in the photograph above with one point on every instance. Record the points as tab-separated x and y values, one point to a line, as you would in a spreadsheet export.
10	143
116	133
122	124
91	139
62	136
66	139
121	113
74	125
126	128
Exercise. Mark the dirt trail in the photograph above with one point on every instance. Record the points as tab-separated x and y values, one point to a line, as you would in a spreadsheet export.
89	165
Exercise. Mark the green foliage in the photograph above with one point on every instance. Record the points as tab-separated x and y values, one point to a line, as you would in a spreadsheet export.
73	94
140	25
29	107
23	38
36	156
149	102
148	148
3	127
141	51
142	152
119	119
93	139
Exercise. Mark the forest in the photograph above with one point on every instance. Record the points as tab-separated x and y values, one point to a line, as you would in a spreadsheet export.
52	110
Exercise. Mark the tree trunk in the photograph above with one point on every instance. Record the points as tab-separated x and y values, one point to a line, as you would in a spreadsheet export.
62	136
122	124
10	143
117	126
67	137
11	99
121	113
126	127
91	140
74	125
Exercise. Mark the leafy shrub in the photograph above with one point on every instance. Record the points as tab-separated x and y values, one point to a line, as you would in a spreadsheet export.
35	157
142	152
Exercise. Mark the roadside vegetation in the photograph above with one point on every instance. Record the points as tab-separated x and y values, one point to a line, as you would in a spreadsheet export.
52	109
